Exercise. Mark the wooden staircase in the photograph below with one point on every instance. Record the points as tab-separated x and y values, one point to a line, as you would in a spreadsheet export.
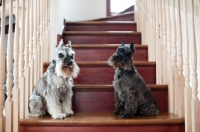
93	101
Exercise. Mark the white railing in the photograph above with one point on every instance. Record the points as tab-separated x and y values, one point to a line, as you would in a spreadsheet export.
27	48
170	32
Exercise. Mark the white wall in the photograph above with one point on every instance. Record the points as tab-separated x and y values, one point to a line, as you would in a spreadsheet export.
73	10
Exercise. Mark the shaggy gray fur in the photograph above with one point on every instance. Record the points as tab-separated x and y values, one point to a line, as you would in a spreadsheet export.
53	92
132	95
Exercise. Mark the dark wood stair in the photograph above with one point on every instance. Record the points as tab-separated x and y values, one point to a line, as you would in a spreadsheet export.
93	100
101	97
91	69
105	26
101	37
101	52
104	122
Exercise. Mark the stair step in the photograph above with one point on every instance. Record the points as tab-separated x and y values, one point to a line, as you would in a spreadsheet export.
101	52
101	97
101	26
100	37
129	16
99	72
106	122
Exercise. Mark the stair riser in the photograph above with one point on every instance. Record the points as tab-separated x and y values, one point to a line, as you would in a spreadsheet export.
104	128
104	75
104	54
103	100
100	27
102	39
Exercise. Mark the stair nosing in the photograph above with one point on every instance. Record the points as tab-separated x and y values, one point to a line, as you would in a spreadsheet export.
104	119
101	32
153	87
102	22
107	46
105	64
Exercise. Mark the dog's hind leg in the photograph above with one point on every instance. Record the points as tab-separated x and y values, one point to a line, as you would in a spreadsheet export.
148	109
36	106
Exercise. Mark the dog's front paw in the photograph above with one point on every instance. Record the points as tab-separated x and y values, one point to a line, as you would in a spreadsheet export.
35	115
116	112
69	112
59	116
154	112
124	116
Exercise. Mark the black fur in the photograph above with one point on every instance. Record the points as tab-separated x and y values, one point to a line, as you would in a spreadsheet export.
132	95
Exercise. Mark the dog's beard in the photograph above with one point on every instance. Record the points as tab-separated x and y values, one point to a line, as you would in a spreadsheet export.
67	71
116	62
113	61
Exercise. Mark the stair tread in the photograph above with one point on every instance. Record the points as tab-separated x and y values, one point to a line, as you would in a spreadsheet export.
97	46
104	63
102	32
154	87
104	118
102	22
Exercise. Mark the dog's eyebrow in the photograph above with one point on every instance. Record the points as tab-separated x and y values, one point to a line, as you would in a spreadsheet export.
71	52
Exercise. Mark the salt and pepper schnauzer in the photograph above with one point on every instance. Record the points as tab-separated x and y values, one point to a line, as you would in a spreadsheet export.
132	95
53	92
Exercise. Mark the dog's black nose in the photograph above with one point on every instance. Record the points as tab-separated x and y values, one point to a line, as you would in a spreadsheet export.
69	63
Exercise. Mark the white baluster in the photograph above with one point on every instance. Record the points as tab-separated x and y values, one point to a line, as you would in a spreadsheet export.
35	40
164	42
2	65
9	103
41	36
195	101
31	50
148	28
154	31
159	46
187	90
27	69
21	61
39	40
16	90
45	30
180	64
49	30
146	22
175	66
170	61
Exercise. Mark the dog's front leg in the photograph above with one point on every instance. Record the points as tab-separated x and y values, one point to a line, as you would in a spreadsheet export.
119	105
54	106
130	105
67	104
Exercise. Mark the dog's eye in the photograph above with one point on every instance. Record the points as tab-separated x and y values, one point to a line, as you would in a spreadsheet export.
71	56
60	55
121	50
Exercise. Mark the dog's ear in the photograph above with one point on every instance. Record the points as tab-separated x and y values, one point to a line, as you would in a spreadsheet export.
54	62
123	42
61	43
132	47
69	44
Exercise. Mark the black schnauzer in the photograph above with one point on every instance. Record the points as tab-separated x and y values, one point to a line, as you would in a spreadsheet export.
132	95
